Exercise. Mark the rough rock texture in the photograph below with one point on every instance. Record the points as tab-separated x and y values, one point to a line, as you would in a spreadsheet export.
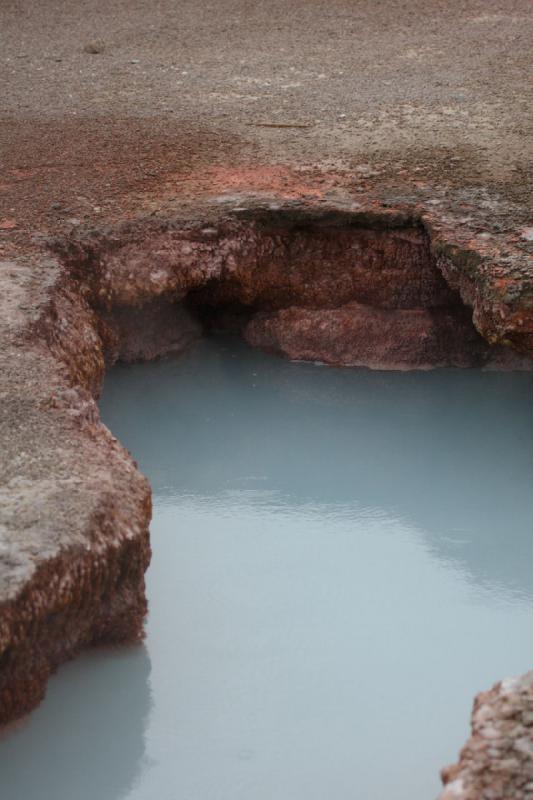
497	761
356	335
139	333
74	511
348	284
417	109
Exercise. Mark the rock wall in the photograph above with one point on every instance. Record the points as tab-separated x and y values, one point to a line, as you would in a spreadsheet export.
346	289
357	335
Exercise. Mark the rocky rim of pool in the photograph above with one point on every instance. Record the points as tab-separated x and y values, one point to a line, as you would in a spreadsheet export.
303	280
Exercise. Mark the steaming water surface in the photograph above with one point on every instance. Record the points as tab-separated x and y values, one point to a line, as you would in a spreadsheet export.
342	559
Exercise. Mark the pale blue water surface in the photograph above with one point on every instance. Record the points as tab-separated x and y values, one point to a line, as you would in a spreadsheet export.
342	559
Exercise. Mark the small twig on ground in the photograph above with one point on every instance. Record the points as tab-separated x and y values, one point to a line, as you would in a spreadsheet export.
280	124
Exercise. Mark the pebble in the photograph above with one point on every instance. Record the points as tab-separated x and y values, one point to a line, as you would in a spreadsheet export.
94	48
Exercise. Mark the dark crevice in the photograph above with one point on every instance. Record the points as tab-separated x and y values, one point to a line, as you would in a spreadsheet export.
335	287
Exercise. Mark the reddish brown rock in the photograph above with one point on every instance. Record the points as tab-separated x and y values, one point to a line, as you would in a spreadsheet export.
157	328
497	761
363	336
339	280
74	510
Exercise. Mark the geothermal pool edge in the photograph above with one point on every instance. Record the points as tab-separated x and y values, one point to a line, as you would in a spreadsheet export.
75	509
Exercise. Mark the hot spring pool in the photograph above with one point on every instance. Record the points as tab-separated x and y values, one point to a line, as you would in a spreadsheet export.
342	559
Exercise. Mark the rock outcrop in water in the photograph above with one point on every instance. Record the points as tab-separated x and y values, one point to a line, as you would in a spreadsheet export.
497	761
357	335
384	290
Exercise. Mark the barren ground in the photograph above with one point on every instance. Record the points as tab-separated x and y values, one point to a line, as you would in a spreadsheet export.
401	95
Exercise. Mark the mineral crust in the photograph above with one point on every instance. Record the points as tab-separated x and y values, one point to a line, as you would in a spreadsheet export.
496	763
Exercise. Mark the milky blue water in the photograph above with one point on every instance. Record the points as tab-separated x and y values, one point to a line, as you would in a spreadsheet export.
342	559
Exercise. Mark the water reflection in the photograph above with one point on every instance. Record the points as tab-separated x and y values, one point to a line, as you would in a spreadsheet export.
87	740
341	560
449	452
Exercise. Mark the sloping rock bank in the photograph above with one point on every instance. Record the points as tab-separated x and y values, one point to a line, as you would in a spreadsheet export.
383	289
74	510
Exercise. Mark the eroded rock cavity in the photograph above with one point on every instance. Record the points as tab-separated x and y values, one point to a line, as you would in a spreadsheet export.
346	290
